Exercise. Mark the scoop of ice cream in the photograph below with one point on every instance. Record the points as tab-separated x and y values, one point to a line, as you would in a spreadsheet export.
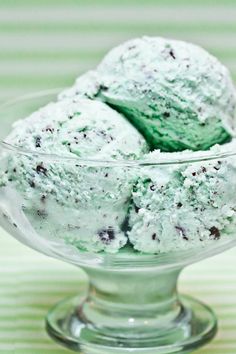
175	93
80	203
83	128
183	206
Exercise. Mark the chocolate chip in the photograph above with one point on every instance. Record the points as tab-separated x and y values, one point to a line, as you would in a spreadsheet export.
166	114
106	175
131	47
136	208
179	205
14	170
49	129
107	235
42	213
153	187
154	236
182	232
194	174
218	167
43	198
204	169
73	227
32	184
85	135
103	87
102	132
41	169
171	52
14	225
180	229
38	141
215	232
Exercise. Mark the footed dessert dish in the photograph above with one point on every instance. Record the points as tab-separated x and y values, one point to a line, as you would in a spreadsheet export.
131	175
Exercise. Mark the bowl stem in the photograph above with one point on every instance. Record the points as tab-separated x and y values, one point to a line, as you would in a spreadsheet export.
139	311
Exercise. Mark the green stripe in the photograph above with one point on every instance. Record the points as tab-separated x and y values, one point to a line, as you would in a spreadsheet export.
47	78
56	350
83	55
133	27
40	81
78	3
61	55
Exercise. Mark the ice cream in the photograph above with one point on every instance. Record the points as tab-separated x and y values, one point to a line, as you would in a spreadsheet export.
109	190
84	204
183	206
175	93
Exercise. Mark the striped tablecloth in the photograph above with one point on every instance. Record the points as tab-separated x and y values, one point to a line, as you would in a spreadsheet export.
46	44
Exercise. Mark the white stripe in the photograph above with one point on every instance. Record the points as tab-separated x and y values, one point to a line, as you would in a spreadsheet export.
31	280
32	334
191	279
223	274
52	267
61	271
24	310
43	299
219	348
226	334
223	323
52	42
19	345
42	286
6	94
46	68
33	290
209	288
19	323
12	68
217	299
118	14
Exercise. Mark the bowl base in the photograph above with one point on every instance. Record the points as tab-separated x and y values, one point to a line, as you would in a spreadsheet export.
195	326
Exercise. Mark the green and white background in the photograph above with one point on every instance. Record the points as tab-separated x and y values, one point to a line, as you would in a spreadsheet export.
46	44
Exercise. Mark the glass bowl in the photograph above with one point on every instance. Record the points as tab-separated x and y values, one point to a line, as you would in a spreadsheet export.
82	211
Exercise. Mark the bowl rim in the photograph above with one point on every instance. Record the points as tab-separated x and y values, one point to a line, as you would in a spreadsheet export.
163	158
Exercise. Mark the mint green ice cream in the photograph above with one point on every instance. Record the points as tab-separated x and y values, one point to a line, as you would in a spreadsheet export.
183	206
175	93
85	205
148	93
